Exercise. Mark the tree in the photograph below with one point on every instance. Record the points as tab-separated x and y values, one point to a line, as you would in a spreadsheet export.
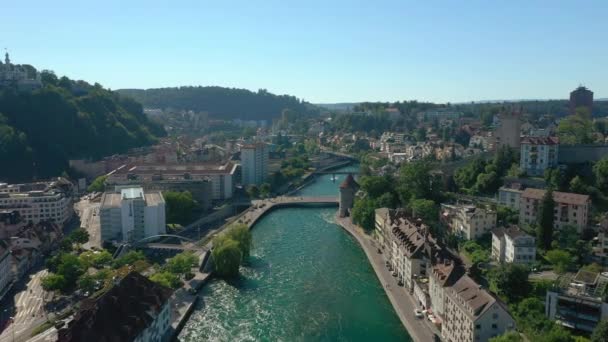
128	259
578	186
70	268
530	317
576	129
510	282
98	185
80	236
241	234
95	259
600	171
53	282
509	336
425	209
253	191
416	180
166	279
179	206
265	190
363	213
600	333
546	220
376	186
560	259
182	263
227	257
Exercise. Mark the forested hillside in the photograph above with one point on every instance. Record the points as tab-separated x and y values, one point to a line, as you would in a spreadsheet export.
65	119
222	103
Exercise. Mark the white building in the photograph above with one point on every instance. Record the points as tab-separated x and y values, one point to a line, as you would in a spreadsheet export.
473	314
468	221
512	245
254	163
538	154
510	195
131	215
42	201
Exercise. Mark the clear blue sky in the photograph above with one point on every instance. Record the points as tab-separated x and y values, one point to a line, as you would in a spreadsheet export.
321	51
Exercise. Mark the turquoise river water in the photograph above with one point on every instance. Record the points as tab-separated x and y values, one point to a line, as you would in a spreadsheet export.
307	280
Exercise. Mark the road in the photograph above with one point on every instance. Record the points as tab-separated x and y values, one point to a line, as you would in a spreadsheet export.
89	220
29	310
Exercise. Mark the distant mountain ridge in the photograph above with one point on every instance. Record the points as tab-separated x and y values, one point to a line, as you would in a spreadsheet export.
220	102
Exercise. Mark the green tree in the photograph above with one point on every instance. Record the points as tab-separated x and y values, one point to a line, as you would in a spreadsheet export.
241	234
98	185
509	336
510	282
53	282
253	191
560	259
95	259
70	268
417	180
227	257
79	236
363	213
265	190
600	171
600	333
376	186
576	129
530	317
179	206
182	263
166	279
546	220
128	259
578	186
425	209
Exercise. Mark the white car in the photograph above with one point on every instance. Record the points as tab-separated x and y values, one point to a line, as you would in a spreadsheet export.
418	313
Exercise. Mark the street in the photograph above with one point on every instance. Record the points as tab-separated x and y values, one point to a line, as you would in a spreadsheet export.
89	220
28	311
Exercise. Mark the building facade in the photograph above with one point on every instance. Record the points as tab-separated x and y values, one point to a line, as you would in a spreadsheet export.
508	130
468	221
510	195
42	201
131	215
513	245
577	302
254	164
581	97
348	189
570	209
473	314
538	154
6	273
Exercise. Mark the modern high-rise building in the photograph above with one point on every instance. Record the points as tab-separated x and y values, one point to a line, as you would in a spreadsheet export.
129	214
254	163
581	97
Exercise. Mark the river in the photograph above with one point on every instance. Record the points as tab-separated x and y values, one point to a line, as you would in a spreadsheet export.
307	280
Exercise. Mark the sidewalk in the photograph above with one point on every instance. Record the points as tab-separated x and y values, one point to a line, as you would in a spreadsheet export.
418	328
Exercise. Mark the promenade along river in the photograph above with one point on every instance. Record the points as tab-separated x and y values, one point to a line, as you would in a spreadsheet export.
307	280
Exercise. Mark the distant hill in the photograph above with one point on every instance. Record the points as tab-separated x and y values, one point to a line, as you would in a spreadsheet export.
345	106
222	103
41	130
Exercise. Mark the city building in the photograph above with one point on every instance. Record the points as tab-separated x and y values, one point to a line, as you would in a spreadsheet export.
440	115
41	201
538	154
513	245
600	245
473	314
11	74
509	195
192	177
135	309
570	209
508	129
578	301
468	221
254	163
348	189
6	274
581	97
443	275
129	214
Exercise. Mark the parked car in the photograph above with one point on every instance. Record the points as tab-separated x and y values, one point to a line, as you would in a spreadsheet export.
418	313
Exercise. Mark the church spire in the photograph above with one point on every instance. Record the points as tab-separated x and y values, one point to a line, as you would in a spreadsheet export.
6	59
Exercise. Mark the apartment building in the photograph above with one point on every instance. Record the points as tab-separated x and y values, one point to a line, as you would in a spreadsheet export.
6	274
444	274
254	163
509	195
513	245
131	215
578	301
473	314
41	201
570	209
468	221
187	176
135	309
538	154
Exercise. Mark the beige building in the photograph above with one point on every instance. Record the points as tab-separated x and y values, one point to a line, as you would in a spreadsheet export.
570	209
513	245
508	130
473	314
442	275
468	221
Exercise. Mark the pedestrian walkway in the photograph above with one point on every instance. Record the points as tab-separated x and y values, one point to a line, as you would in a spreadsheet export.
418	328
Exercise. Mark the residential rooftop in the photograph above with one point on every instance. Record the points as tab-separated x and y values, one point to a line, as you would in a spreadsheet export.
559	197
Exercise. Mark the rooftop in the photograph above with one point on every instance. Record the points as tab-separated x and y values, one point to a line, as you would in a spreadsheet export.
559	197
132	193
349	182
120	314
540	140
472	296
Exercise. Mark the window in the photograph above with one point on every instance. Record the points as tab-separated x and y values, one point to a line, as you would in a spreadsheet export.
477	326
494	326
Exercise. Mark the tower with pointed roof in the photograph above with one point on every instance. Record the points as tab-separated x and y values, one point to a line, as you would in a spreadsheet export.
348	189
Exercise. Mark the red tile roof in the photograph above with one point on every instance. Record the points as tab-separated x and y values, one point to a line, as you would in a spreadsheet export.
349	182
559	197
